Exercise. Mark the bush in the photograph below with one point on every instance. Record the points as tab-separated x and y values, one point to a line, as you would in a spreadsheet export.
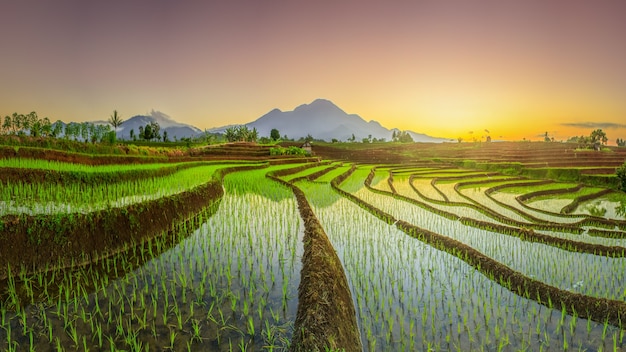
621	176
278	150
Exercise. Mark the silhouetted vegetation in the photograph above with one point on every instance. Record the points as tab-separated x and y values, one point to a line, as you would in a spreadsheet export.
241	133
595	140
274	134
150	131
115	120
402	137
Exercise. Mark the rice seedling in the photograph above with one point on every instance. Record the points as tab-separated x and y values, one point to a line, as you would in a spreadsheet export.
230	279
150	289
42	198
551	265
362	243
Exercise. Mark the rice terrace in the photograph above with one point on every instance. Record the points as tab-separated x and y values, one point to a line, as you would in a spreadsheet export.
501	246
313	176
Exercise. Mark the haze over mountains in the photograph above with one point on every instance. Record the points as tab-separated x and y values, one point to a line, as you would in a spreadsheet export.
173	128
321	119
324	120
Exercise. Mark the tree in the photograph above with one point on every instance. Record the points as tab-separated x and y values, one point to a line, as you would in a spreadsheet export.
93	133
17	122
403	137
84	131
72	129
165	136
209	138
132	134
8	124
35	128
274	134
101	132
29	123
57	128
115	120
150	131
598	137
546	138
230	134
46	127
147	132
155	130
253	135
242	133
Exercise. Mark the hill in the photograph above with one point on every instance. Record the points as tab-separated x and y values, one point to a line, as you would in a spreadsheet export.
322	119
173	128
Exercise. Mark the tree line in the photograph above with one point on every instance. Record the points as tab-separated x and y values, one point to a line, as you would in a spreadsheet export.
595	140
20	124
32	125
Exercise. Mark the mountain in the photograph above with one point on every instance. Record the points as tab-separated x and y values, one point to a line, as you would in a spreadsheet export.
324	120
173	128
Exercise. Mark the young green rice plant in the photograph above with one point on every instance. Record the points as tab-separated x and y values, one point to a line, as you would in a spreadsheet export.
377	257
52	198
250	327
120	304
556	272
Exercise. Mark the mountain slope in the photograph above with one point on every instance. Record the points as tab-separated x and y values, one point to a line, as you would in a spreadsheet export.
324	120
173	128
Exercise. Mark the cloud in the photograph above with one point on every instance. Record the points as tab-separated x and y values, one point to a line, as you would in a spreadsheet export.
607	125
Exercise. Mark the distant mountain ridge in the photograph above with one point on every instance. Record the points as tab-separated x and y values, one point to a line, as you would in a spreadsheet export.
322	119
174	129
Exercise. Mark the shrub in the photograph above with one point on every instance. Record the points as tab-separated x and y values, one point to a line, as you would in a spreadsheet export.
278	150
621	176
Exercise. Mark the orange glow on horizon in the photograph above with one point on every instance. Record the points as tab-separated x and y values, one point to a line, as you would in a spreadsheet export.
517	69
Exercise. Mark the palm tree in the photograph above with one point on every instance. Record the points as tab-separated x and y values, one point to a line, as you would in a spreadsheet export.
254	135
115	120
230	134
242	133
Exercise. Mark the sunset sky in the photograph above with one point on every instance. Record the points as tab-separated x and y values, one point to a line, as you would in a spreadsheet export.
444	68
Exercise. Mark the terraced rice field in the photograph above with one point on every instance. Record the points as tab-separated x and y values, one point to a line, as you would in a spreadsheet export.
256	255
